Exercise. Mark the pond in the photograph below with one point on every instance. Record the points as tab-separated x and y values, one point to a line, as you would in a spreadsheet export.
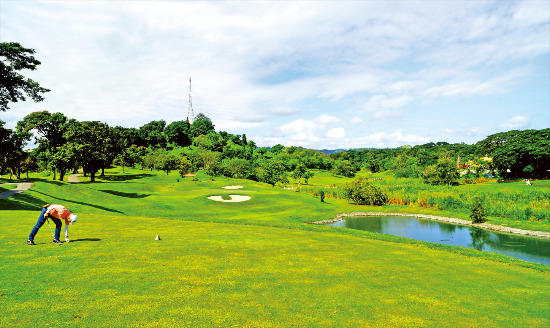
526	248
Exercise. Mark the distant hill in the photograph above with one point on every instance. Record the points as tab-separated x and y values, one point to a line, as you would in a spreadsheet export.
331	151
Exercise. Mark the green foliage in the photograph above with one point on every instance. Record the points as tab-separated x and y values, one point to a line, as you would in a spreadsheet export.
270	172
184	166
361	192
178	132
237	168
478	214
12	155
152	134
444	172
201	126
518	154
344	168
13	85
211	162
89	140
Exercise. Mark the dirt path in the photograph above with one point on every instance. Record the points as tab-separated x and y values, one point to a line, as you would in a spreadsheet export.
73	178
21	186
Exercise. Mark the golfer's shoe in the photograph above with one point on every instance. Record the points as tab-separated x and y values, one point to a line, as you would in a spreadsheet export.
30	242
57	241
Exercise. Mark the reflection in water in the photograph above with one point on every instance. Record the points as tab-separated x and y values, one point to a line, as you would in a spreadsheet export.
522	247
478	238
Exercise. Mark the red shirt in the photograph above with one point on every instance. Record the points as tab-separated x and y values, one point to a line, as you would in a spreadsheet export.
59	212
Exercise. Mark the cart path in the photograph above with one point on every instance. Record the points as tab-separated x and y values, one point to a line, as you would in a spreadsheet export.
73	178
21	186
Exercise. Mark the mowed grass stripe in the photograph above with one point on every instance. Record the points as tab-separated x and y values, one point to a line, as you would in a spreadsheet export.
213	274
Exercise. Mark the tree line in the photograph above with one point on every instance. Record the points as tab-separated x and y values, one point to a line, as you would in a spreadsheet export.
66	145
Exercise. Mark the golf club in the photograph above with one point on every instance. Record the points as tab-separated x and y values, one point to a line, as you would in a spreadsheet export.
51	229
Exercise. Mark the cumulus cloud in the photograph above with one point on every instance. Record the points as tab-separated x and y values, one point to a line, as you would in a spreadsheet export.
516	122
127	63
394	139
382	102
336	133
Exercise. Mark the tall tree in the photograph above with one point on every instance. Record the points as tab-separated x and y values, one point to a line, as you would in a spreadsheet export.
12	155
88	141
13	85
211	162
178	132
49	130
519	153
201	125
271	171
153	134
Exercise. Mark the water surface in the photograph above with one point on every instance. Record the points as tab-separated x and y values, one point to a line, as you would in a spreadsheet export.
522	247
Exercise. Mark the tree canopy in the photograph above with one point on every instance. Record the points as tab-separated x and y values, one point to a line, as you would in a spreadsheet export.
13	85
519	153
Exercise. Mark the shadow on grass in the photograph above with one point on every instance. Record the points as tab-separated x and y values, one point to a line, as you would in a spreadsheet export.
26	202
85	239
21	202
123	177
125	194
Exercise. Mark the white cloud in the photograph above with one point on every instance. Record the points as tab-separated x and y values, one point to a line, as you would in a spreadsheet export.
283	111
382	102
336	133
449	131
386	115
516	122
299	126
326	119
256	64
356	120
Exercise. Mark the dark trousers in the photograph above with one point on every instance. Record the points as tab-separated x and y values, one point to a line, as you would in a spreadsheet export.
40	222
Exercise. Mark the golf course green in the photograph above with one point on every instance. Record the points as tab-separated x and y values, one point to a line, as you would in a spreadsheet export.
254	263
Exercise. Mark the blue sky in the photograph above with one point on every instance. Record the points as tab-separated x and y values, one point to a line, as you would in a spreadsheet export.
317	74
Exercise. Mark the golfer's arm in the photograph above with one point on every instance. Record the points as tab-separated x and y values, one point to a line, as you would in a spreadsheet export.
66	231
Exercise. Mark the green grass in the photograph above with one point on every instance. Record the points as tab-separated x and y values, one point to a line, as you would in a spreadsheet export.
7	187
254	263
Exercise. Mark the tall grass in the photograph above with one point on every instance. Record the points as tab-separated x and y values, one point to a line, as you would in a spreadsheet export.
512	200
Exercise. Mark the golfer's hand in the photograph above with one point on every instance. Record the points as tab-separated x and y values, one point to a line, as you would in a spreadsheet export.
67	239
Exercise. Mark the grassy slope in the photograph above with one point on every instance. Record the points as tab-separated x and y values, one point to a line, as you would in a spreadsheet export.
6	187
266	269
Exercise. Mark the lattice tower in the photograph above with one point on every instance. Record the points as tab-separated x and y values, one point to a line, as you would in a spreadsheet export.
190	115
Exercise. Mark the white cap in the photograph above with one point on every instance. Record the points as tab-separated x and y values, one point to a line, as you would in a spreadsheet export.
73	218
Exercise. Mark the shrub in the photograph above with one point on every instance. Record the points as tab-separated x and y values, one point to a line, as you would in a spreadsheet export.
527	213
360	191
322	195
423	203
478	211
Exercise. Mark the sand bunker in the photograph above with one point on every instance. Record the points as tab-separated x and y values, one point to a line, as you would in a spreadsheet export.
232	187
234	198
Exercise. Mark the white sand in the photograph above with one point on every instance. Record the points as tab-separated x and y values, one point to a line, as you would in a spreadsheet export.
232	187
234	198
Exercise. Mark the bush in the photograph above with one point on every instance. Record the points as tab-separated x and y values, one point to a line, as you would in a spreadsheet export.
478	211
360	191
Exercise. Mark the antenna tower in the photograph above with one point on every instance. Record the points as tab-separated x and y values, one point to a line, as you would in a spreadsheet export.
190	115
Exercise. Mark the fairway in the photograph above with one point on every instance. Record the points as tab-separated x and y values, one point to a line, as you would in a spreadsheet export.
249	264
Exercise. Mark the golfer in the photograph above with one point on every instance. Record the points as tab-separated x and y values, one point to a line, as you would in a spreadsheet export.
56	213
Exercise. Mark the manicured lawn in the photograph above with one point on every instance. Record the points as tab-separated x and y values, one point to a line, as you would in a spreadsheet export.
254	264
6	187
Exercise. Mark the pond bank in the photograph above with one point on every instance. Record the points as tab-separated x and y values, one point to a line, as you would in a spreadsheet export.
486	226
